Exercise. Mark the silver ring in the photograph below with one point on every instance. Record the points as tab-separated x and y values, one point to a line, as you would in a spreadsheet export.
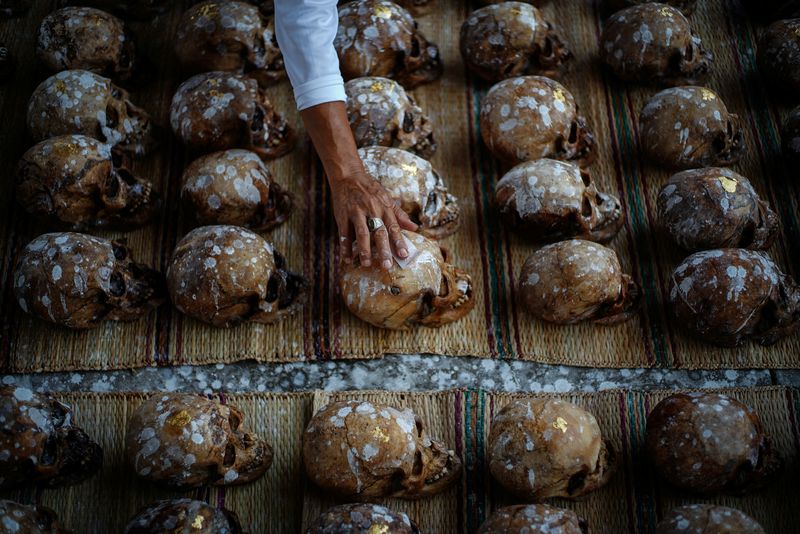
373	223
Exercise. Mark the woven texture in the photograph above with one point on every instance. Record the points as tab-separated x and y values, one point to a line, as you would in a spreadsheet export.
497	328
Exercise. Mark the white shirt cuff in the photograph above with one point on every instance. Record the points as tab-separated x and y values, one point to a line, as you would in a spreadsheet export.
319	91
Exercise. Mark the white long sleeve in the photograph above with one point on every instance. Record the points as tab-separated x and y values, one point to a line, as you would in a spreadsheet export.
305	30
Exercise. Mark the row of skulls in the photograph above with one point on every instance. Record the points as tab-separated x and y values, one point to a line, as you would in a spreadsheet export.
359	451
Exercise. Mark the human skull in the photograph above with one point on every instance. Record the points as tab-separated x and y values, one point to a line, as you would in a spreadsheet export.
548	200
79	281
671	54
13	8
184	516
229	36
362	518
86	38
686	6
22	519
416	186
707	519
690	127
381	113
534	518
188	441
133	9
368	451
75	180
511	39
577	280
709	443
39	443
380	38
532	117
225	275
544	448
711	208
234	187
428	291
730	296
790	138
219	110
82	102
779	56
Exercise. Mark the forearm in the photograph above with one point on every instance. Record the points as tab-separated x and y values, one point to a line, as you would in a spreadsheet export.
329	130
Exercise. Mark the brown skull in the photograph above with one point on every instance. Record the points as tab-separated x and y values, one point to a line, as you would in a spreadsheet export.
39	443
133	9
790	138
709	443
548	200
21	519
234	187
229	36
79	281
511	39
710	208
653	43
779	56
225	275
428	291
366	451
534	518
729	296
534	117
86	38
184	515
381	113
81	102
362	518
75	180
544	448
575	281
707	518
690	127
686	6
380	38
187	441
220	110
420	191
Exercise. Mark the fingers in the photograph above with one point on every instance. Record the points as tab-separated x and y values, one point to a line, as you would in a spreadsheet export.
381	238
346	247
394	234
359	221
403	219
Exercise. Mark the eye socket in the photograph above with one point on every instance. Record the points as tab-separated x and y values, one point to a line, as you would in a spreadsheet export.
394	290
120	252
576	482
586	207
272	288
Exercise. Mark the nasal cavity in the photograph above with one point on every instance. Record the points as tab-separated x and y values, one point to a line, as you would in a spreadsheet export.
230	455
117	284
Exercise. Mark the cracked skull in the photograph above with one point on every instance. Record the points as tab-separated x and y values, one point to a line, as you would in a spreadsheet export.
366	450
184	515
534	518
226	275
730	296
551	200
187	441
429	291
362	518
380	38
381	113
653	43
234	187
416	186
544	448
39	443
709	208
690	127
707	518
511	39
220	110
779	56
76	181
576	280
532	117
23	519
79	281
229	36
709	443
85	103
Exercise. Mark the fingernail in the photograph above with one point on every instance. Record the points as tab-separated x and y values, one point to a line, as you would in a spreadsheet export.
387	264
402	253
366	263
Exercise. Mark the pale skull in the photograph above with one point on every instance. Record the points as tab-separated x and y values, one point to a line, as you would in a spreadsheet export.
184	516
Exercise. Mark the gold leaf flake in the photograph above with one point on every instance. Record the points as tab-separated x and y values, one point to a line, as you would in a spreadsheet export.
380	434
198	522
378	529
728	184
181	418
383	12
708	94
376	86
560	424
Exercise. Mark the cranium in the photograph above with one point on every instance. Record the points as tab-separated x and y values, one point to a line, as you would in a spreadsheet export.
711	208
550	200
729	296
187	441
779	56
534	117
81	102
39	443
707	518
428	291
76	181
79	281
23	519
671	54
234	187
225	275
229	36
534	518
219	110
686	6
544	448
380	38
365	450
381	113
133	9
511	39
362	518
420	191
184	515
689	127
